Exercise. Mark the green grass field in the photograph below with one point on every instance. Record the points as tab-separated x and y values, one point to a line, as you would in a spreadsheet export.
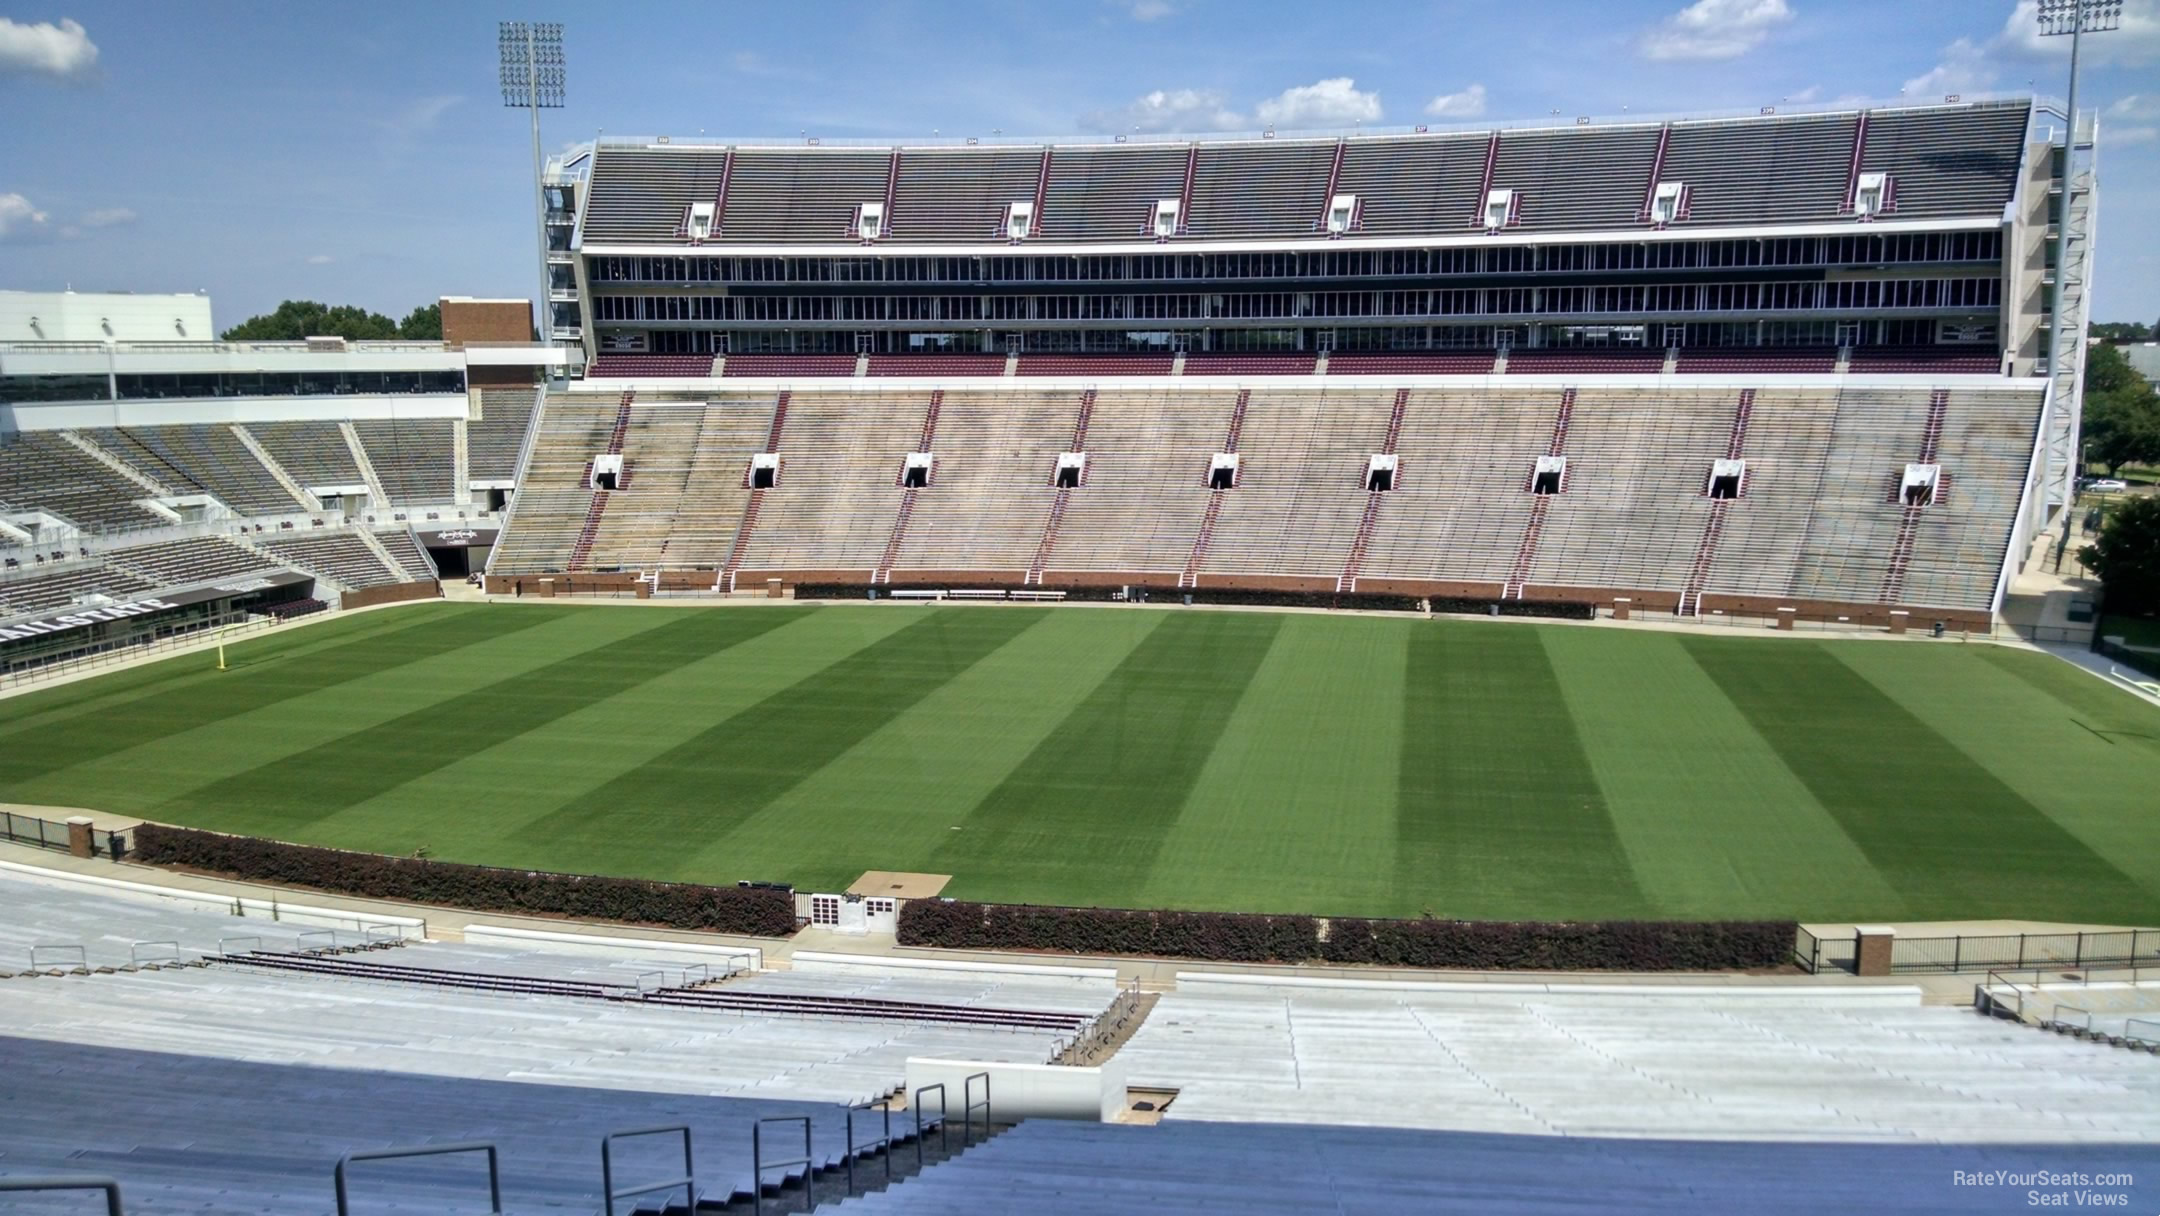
1240	760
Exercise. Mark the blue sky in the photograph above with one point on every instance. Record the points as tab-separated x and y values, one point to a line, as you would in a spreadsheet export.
360	154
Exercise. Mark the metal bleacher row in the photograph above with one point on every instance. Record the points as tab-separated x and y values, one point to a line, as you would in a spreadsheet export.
1816	518
1946	159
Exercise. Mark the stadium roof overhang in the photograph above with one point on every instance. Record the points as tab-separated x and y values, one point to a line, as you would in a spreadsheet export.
1516	237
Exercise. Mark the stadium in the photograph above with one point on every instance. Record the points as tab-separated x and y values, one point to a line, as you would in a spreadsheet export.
1065	675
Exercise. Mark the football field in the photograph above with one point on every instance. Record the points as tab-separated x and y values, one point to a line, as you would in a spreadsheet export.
1123	756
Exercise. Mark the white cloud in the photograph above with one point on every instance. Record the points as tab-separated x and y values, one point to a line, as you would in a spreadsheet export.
1714	29
423	114
1170	110
108	217
1467	104
2118	136
320	259
1333	102
18	219
1151	10
2136	105
1965	68
62	51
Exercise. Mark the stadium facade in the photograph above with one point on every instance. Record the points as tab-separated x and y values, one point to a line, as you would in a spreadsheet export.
1776	365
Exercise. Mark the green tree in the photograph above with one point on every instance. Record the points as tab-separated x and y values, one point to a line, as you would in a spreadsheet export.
2127	556
2122	412
422	322
297	319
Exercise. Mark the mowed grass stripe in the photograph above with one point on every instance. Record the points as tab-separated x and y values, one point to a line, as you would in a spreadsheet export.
1712	821
259	682
1956	841
717	780
1499	814
1080	820
891	800
296	790
1297	800
482	807
2110	740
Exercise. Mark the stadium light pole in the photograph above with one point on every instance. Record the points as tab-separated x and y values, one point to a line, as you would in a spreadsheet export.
530	55
2076	18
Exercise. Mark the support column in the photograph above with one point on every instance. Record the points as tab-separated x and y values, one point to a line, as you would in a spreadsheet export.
1871	954
78	827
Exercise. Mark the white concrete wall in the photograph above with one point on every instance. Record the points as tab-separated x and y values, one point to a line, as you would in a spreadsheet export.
92	316
64	415
1025	1090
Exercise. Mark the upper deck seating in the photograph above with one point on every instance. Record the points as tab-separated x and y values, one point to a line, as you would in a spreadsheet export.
788	365
1410	363
937	365
39	469
678	366
1096	365
495	440
412	458
1289	363
210	459
1585	361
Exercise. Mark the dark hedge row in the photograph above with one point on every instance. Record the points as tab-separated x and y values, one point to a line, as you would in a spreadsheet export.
1448	944
761	912
1566	610
1458	945
1222	936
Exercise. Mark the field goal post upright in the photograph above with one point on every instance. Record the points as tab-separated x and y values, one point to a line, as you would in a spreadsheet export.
533	77
2073	260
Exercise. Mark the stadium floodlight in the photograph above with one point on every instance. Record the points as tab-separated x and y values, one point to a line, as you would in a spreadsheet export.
2075	18
533	75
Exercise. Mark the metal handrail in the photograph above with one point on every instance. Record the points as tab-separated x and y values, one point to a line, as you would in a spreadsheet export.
135	950
305	934
944	1123
2131	1036
82	957
688	1181
59	1182
759	1165
882	1142
344	1207
224	942
2057	1022
969	1106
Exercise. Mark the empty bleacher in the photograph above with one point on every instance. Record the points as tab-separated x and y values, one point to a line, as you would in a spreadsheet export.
1301	482
960	195
1260	190
1766	360
838	492
1852	530
495	439
1948	360
683	499
1958	544
990	490
789	365
608	366
1109	194
1415	184
39	469
1585	361
1144	494
801	195
1286	363
937	365
412	560
205	459
188	562
22	590
1410	363
1569	180
1755	172
312	453
554	496
1838	1064
1459	508
642	193
1947	164
413	458
1787	450
1096	365
337	555
1636	494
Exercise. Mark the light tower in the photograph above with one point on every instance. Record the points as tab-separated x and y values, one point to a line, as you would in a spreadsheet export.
531	68
2066	355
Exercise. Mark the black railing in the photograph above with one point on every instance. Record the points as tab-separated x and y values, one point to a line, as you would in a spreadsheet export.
759	1166
46	834
688	1181
1984	952
494	1167
33	1182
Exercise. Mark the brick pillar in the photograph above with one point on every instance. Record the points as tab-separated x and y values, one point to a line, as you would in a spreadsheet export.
1899	619
547	588
1872	953
79	836
772	589
644	590
1620	607
1785	618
